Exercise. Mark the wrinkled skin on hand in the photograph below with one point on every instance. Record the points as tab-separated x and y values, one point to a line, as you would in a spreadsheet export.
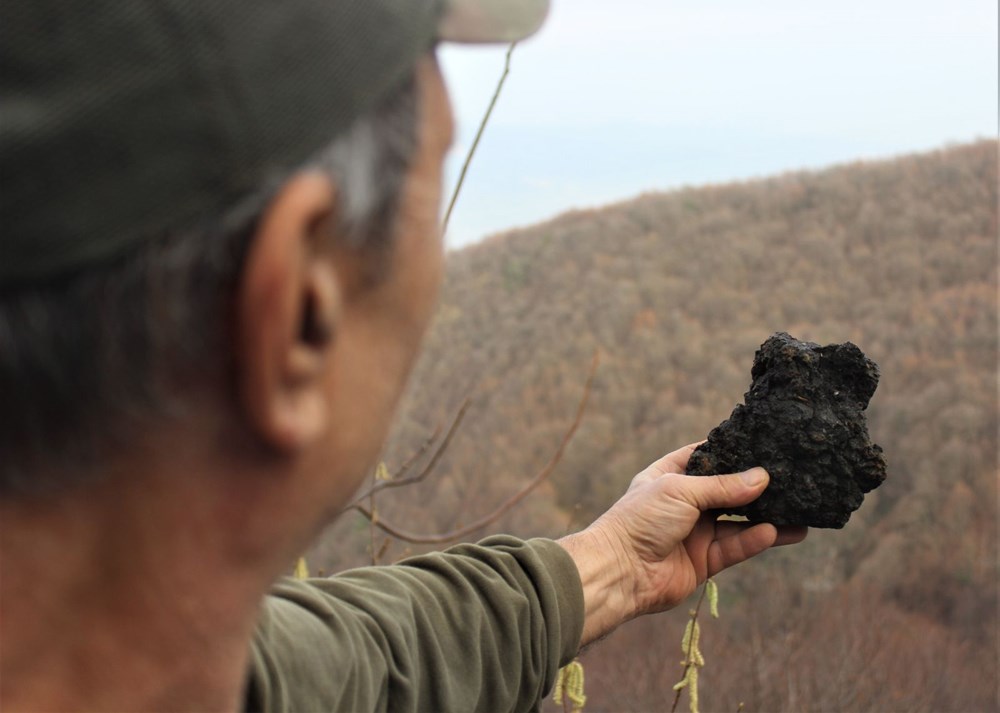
662	539
674	536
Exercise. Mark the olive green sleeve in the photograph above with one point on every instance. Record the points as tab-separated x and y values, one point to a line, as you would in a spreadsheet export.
477	628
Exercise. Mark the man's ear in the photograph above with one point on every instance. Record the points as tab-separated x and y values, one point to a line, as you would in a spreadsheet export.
287	313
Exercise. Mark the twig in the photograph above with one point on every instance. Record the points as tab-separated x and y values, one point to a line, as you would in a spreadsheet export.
456	534
384	548
475	143
371	523
691	644
414	457
396	481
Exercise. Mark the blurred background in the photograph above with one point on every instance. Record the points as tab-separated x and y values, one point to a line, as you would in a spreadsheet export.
668	184
613	99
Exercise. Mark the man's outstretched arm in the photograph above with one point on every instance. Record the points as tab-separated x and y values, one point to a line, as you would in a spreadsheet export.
486	627
476	628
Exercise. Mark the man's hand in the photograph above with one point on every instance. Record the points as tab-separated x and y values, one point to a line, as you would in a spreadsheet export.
658	542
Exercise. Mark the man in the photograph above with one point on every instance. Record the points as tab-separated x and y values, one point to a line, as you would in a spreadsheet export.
220	254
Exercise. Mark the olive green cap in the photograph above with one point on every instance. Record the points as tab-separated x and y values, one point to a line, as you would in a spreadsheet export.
121	120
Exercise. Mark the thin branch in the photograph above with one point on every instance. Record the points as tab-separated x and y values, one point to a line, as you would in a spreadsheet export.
475	143
384	548
396	481
507	505
371	523
690	648
415	456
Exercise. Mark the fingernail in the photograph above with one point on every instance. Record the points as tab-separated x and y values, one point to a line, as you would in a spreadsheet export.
754	476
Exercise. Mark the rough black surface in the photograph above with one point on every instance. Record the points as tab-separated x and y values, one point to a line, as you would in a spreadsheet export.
803	420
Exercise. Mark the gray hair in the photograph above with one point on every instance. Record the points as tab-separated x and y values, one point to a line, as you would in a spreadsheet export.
85	359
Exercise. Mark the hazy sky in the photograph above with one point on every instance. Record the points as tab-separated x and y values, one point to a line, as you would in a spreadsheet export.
616	97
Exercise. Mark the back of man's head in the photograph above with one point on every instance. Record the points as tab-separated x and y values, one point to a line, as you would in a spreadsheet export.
140	145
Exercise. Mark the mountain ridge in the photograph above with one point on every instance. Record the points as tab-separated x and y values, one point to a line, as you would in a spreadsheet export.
654	193
676	291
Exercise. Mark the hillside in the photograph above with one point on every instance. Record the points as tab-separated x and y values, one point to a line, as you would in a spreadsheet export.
676	291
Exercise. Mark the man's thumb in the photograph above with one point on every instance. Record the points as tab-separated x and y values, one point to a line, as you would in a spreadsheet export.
720	491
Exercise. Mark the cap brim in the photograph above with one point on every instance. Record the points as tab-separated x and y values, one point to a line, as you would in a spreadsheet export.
486	21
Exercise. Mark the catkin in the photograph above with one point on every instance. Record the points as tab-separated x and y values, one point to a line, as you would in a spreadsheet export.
712	591
301	569
569	684
691	647
693	689
686	639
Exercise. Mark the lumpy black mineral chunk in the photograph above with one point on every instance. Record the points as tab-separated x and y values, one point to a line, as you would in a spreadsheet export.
803	420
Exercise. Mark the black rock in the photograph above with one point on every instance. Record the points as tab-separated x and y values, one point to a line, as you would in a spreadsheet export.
803	420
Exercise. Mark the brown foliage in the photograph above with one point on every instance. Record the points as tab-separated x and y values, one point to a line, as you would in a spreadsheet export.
782	650
896	612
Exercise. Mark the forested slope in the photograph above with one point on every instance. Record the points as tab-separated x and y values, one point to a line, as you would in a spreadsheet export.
676	291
